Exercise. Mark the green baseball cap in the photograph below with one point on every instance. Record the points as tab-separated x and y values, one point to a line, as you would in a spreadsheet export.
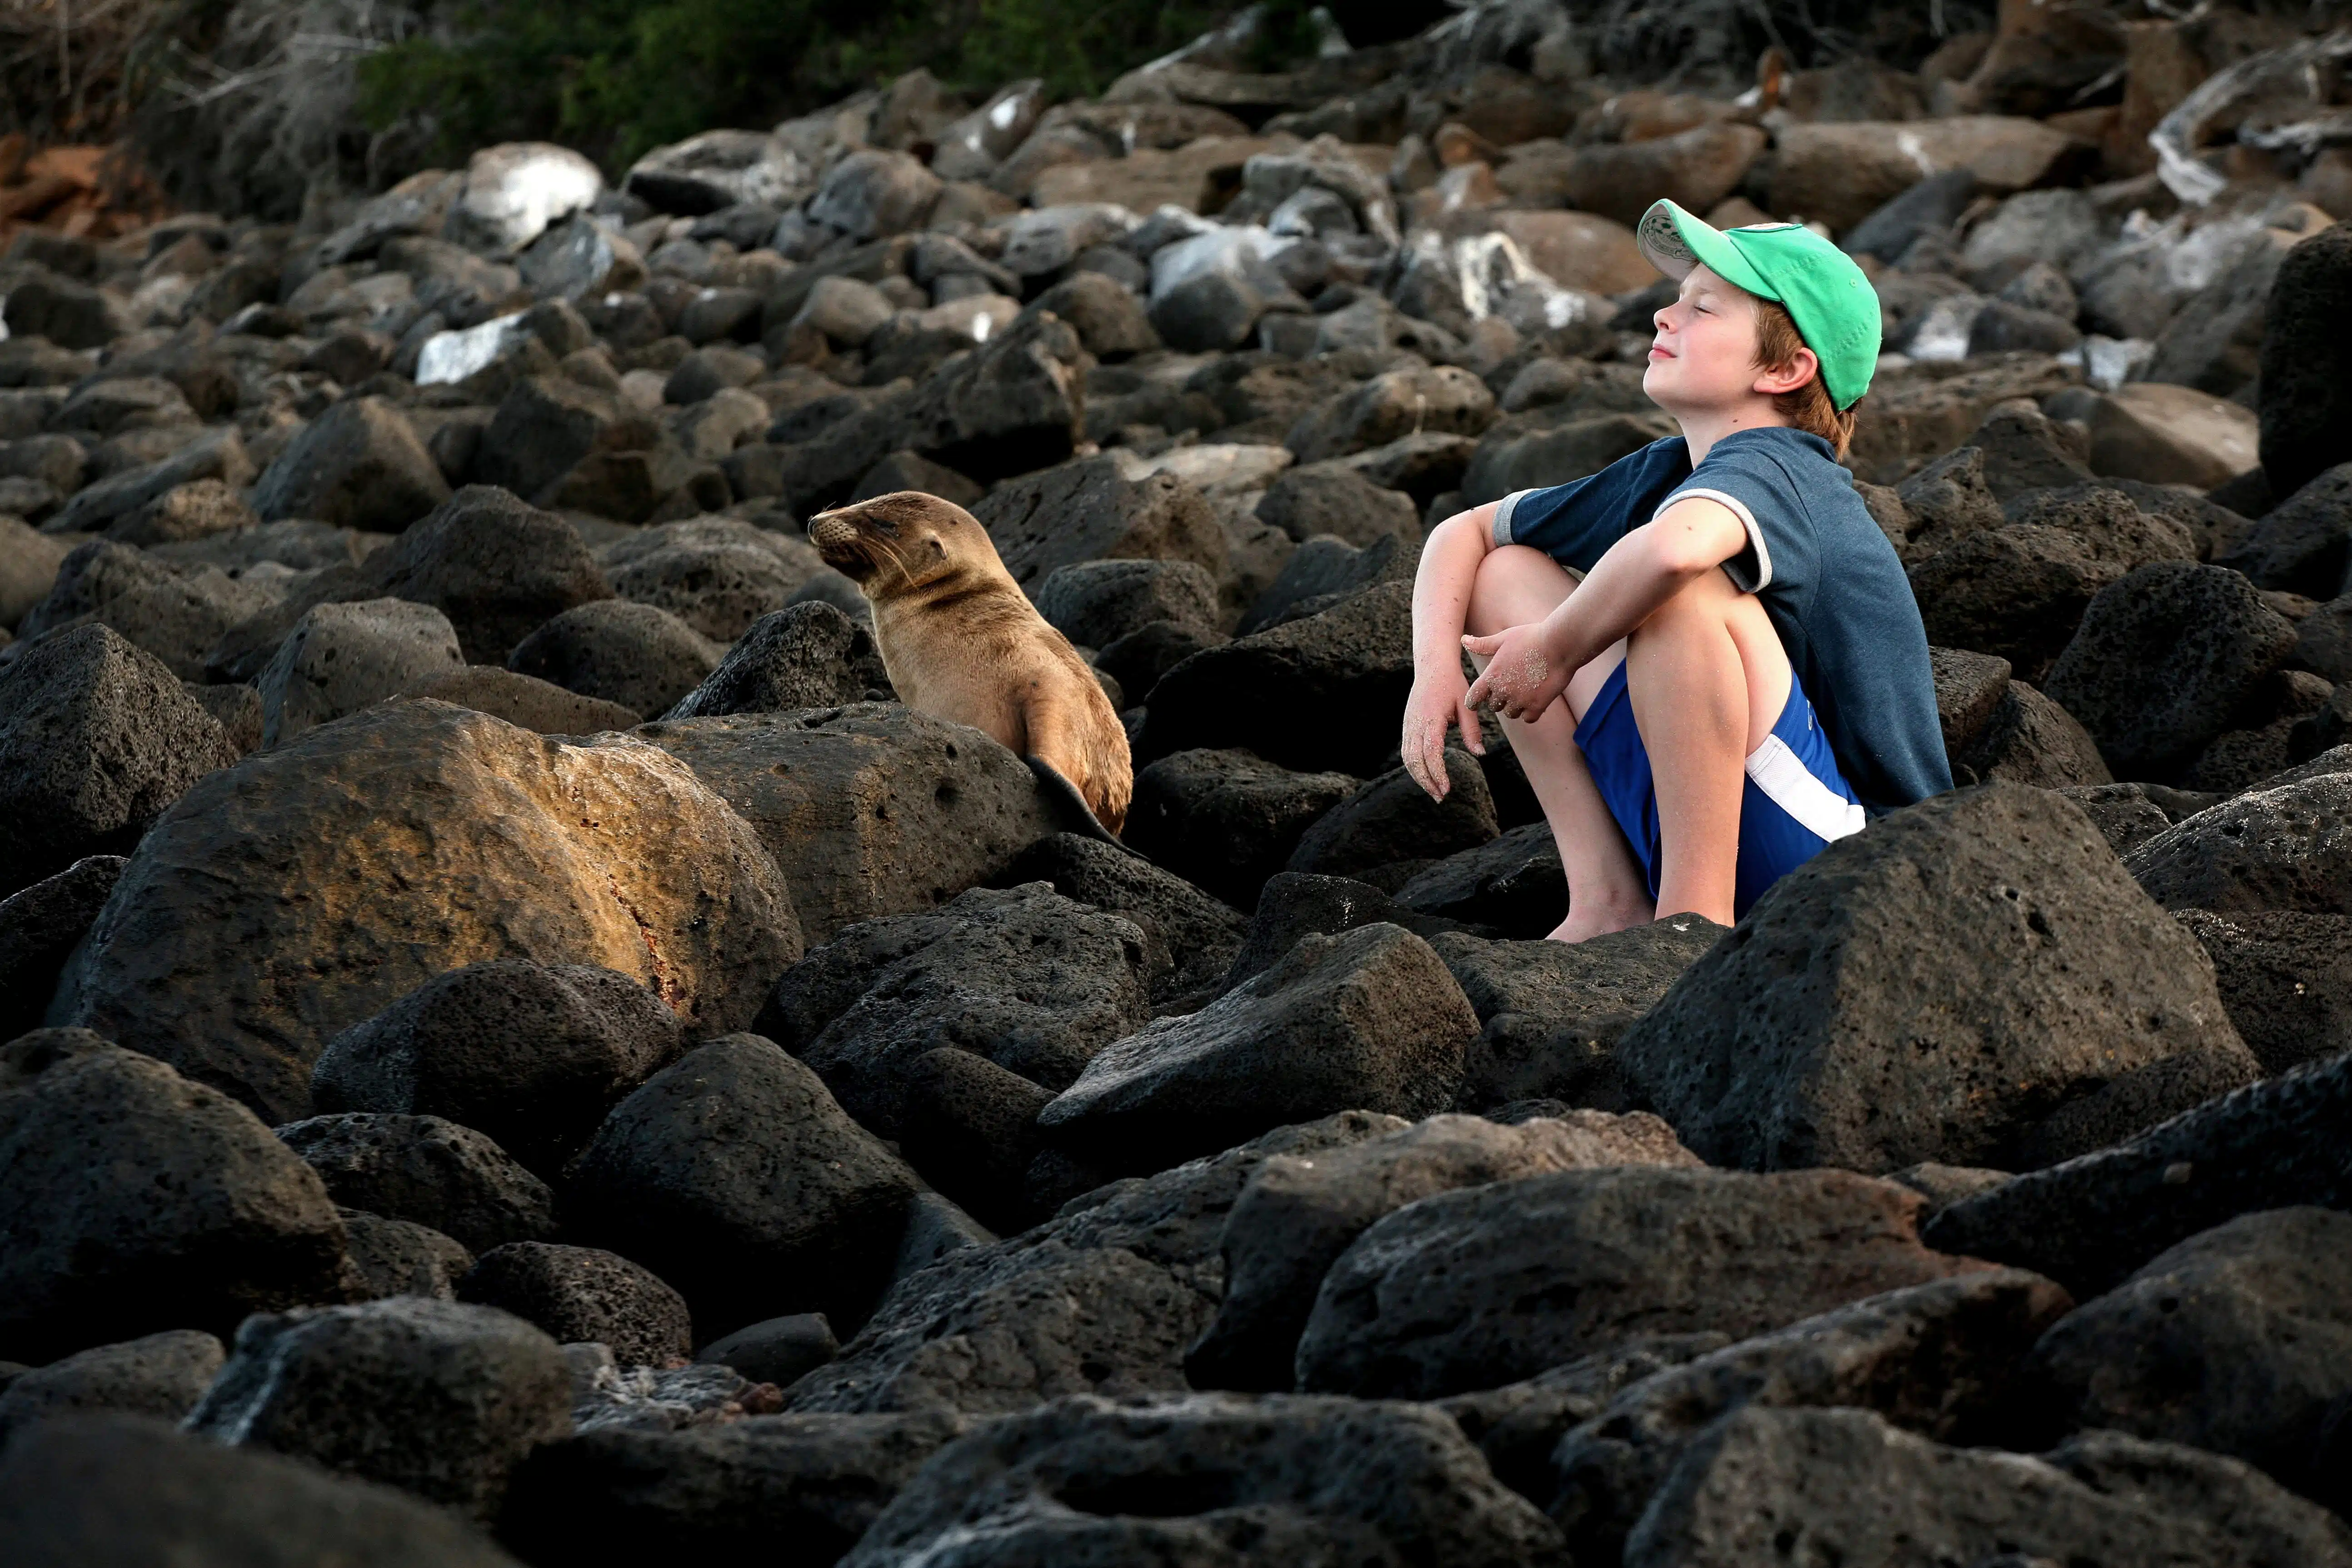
1834	305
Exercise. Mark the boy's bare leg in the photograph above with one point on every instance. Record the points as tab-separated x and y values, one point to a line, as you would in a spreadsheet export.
1709	678
1607	890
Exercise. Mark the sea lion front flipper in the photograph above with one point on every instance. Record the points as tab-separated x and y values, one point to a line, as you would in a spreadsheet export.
1076	816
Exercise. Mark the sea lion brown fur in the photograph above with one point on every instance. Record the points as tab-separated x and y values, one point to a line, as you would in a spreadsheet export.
962	640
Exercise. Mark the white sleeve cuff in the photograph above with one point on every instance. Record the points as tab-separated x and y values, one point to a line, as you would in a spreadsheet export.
1504	510
1747	521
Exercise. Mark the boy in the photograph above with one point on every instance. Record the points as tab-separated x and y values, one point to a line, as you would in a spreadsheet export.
1706	656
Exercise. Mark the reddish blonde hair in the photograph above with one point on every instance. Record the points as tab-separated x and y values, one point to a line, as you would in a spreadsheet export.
1808	407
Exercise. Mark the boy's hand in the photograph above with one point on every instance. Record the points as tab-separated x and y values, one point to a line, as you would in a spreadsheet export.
1438	700
1522	678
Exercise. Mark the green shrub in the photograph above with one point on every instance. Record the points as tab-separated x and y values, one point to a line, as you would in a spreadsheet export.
614	78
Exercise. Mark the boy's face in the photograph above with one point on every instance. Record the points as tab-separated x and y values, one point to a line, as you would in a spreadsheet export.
1703	355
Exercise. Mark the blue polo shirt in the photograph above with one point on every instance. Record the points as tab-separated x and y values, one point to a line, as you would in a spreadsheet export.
1825	573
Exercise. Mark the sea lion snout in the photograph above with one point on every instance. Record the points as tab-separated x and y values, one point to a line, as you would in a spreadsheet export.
840	541
898	542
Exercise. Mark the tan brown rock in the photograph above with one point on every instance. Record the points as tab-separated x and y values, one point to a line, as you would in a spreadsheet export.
1575	250
1149	178
1836	173
286	899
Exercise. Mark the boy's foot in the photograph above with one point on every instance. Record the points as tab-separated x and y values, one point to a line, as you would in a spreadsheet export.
1599	917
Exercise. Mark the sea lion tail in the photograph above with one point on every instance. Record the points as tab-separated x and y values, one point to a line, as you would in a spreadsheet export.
1076	816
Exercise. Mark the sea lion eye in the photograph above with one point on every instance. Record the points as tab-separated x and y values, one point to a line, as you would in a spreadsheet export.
938	549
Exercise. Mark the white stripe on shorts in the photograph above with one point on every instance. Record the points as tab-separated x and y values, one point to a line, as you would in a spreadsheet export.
1788	784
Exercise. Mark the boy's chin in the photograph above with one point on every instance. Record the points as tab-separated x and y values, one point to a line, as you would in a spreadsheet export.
1658	385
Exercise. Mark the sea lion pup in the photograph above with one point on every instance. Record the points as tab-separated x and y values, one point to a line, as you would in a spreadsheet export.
962	640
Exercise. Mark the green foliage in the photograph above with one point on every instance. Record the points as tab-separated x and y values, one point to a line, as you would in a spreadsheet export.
614	77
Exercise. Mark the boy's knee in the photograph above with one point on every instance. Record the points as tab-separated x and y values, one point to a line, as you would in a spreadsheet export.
1511	579
1700	606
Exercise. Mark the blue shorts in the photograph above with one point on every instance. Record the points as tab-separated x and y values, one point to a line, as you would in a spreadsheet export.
1794	803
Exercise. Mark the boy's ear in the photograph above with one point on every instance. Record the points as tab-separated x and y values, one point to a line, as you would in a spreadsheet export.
1801	368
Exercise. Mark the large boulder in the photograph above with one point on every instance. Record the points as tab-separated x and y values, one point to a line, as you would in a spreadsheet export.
1837	174
1102	1299
1945	1360
1540	449
340	657
2092	1222
1335	499
2016	593
2285	976
1446	399
1298	1215
426	1171
1514	885
138	1201
799	1487
1366	1020
2306	408
1550	1013
527	702
734	1175
2286	847
1212	1479
1024	977
1096	603
1098	508
1477	1288
1227	820
358	465
28	567
427	838
872	809
581	1294
496	567
1845	1485
1188	936
216	454
2164	659
434	1397
2238	1340
2302	545
807	655
718	588
1391	821
97	739
1994	935
162	1375
176	617
39	928
1519	1425
1325	690
532	1055
120	1489
402	1258
639	655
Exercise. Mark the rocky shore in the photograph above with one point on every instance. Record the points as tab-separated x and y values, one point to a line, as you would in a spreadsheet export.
522	1050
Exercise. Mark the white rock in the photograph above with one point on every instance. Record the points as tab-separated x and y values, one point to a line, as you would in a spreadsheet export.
1224	249
514	190
452	356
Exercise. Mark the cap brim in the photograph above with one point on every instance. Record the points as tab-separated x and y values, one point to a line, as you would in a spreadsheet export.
1674	242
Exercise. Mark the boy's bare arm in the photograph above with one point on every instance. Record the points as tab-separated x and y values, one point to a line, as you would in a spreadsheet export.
1530	666
1450	560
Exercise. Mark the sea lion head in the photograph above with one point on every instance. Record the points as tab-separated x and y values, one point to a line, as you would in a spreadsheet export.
897	542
